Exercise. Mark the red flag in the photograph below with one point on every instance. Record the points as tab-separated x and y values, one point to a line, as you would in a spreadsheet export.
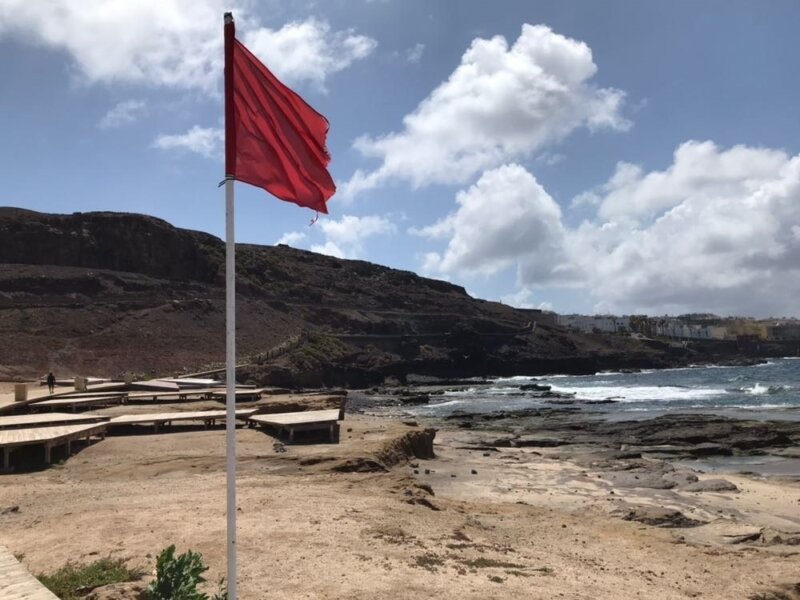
273	138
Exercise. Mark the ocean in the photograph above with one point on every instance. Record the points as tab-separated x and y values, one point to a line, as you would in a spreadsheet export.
769	390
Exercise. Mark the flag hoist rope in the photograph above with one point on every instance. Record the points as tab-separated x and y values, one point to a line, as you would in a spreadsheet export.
230	315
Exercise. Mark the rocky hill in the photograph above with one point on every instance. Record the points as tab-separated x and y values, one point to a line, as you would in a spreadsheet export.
102	293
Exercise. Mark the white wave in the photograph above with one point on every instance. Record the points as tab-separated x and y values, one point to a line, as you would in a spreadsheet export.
488	391
642	393
757	390
758	406
439	404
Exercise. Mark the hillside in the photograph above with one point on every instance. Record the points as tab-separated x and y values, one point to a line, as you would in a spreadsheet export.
104	292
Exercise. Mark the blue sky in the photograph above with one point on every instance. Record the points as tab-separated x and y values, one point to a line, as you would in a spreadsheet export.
586	156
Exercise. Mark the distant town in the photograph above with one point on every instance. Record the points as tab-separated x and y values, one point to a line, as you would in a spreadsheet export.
686	327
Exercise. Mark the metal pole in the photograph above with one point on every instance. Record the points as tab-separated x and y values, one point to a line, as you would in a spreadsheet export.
230	380
230	307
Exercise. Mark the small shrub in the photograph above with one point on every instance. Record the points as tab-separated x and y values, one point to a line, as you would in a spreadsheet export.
71	580
177	577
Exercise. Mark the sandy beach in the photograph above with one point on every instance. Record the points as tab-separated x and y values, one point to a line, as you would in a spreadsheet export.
366	518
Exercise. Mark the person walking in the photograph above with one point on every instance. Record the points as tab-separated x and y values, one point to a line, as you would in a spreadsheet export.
51	382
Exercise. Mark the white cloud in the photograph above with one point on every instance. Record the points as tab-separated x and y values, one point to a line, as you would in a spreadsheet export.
345	238
525	298
699	170
718	233
500	103
206	141
330	249
292	238
414	54
504	216
123	113
174	43
308	50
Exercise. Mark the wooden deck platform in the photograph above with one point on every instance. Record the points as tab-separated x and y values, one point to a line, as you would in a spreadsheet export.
180	396
183	395
49	437
254	394
74	394
208	417
76	403
42	419
16	583
308	420
155	385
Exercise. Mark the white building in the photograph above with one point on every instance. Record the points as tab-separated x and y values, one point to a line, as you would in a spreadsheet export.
592	323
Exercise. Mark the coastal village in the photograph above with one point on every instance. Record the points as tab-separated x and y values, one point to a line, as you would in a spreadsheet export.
686	327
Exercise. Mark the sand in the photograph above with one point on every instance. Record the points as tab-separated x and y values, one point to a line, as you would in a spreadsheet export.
525	525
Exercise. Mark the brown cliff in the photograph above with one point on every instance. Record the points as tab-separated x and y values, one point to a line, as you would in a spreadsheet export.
104	292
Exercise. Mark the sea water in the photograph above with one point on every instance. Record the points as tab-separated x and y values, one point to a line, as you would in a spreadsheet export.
769	390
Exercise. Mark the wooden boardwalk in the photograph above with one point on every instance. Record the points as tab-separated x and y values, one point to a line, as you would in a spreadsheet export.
181	396
73	394
307	420
49	437
208	417
42	419
16	583
76	403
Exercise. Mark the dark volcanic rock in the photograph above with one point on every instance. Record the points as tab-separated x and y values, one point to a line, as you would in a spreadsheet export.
534	387
711	485
415	399
660	517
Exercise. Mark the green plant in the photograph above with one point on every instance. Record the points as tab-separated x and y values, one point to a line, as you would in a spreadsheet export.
72	580
177	577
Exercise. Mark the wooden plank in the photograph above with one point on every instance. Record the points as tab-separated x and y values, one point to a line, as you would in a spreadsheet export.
157	396
222	394
52	434
48	419
111	386
16	583
189	382
306	417
76	402
156	385
200	415
74	394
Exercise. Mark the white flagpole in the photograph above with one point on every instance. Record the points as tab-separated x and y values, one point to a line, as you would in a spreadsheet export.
230	318
230	380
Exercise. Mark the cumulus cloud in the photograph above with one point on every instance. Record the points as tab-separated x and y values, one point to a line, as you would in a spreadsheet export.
205	141
123	113
719	232
724	242
500	103
345	238
525	298
308	50
698	171
174	43
504	216
292	238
